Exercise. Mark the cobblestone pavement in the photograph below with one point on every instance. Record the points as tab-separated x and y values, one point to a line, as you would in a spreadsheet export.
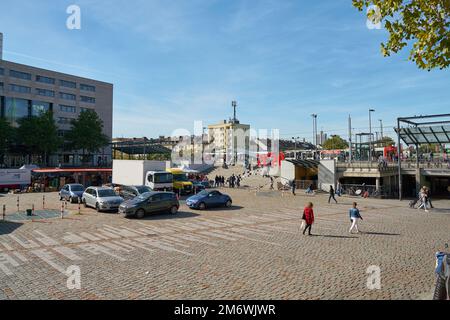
252	251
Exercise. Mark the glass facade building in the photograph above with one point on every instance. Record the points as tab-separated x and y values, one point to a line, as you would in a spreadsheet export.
26	91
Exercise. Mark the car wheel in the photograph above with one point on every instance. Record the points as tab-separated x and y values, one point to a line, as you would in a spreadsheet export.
60	198
140	214
97	207
70	199
229	204
174	210
84	203
202	206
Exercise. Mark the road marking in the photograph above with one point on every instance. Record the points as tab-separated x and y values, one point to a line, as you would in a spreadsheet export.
49	258
91	237
109	234
6	259
162	246
136	244
20	256
247	238
120	231
216	235
68	253
97	249
116	247
27	244
194	239
73	238
45	240
7	246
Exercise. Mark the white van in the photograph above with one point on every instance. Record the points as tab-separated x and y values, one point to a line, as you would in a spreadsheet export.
159	180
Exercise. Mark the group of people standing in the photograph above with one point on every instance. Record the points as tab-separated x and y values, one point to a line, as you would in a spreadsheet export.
308	218
233	182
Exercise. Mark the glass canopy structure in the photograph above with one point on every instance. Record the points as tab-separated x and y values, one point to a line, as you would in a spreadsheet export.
421	130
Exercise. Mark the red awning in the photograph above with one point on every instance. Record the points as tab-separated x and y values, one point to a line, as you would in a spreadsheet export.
57	170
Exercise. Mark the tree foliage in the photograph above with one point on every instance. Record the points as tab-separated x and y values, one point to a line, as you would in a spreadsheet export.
86	133
422	25
39	134
6	137
335	143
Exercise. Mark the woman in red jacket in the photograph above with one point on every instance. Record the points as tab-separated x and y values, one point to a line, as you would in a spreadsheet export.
308	216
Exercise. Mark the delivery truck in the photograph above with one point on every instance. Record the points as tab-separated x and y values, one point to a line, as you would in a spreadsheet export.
12	179
143	173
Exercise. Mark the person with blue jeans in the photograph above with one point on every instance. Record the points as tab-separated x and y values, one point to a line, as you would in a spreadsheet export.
354	216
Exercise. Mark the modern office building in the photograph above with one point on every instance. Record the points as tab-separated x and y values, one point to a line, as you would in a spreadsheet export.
26	91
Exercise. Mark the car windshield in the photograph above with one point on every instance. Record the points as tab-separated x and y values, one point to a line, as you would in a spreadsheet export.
163	178
180	177
203	193
106	193
77	188
144	196
143	189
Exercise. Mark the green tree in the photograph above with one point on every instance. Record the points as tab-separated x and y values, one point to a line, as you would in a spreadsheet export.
335	143
422	25
39	135
86	133
6	138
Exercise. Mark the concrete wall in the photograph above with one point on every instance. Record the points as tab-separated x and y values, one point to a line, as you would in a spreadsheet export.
327	175
287	172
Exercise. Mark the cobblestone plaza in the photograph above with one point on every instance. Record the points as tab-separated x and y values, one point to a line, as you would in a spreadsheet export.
254	250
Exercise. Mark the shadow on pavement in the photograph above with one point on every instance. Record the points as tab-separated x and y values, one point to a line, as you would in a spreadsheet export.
7	227
233	208
380	233
332	236
168	216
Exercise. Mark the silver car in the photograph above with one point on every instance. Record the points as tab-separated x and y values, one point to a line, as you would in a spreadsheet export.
102	199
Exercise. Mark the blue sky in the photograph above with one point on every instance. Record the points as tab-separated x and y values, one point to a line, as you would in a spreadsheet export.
173	62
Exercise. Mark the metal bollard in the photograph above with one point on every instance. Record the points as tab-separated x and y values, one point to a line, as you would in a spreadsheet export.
18	204
32	210
62	210
4	211
79	206
43	202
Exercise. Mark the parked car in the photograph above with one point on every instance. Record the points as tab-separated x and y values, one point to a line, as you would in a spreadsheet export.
130	192
209	199
71	192
150	202
197	186
102	199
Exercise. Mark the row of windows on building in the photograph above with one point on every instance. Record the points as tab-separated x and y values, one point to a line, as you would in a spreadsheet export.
14	109
46	93
47	80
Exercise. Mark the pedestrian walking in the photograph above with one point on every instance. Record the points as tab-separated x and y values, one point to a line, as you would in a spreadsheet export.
308	216
332	196
354	216
423	200
271	183
293	187
428	193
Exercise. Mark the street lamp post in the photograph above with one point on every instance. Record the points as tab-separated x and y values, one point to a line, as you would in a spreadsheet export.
370	134
314	116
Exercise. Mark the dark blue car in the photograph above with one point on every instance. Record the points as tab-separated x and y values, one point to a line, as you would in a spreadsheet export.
209	199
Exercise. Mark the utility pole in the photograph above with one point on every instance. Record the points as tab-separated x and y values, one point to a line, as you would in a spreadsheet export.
381	128
314	116
370	134
350	138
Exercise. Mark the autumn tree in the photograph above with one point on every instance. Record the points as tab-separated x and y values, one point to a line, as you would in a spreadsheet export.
421	25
